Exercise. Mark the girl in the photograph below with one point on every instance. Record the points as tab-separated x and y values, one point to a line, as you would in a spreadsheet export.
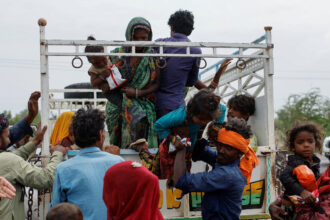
303	168
134	195
185	122
61	133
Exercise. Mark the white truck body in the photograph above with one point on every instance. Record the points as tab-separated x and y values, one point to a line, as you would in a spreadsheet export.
256	79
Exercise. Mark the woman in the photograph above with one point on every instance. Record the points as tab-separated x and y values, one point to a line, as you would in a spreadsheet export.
62	134
131	114
134	195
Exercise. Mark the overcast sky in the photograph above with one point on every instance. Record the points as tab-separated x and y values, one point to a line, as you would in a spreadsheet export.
301	35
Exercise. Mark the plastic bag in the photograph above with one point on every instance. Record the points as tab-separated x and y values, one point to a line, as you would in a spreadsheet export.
305	177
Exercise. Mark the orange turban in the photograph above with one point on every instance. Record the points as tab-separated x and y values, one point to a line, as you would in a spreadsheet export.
61	128
250	159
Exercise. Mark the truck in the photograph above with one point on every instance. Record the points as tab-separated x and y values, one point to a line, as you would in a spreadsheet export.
251	74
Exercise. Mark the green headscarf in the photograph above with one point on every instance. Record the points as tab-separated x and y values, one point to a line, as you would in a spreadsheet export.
134	116
137	21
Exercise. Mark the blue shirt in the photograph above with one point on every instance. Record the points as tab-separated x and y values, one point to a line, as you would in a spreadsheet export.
223	187
178	73
79	180
177	118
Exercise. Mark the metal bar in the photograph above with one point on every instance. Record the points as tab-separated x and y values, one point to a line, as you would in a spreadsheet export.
230	86
224	90
246	92
257	76
73	90
259	52
257	92
154	44
44	74
231	78
253	85
44	80
247	81
228	94
155	55
268	76
260	39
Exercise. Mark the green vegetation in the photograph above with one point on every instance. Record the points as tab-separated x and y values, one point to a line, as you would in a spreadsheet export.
310	106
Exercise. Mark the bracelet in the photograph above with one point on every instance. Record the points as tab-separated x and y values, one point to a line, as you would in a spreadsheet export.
136	93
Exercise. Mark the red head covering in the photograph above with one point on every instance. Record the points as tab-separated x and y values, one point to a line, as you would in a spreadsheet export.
131	192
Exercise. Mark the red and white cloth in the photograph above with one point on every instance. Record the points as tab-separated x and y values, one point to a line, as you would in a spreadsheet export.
115	79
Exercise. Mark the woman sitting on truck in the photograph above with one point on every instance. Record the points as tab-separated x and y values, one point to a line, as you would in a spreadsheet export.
131	115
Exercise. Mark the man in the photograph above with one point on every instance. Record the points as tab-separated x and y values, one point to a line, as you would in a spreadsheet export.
22	128
223	186
20	173
179	72
80	180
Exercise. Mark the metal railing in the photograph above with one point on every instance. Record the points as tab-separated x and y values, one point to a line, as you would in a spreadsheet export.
247	78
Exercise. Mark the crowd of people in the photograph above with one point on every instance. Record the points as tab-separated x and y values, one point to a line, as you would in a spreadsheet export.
146	109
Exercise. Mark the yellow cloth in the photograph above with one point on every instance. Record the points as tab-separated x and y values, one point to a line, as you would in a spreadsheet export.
61	128
250	159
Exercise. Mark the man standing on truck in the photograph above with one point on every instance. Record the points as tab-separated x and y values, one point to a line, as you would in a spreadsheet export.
179	72
223	186
79	180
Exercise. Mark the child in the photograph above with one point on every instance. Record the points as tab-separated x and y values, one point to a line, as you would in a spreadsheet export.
303	168
131	192
242	106
184	122
64	211
212	135
104	75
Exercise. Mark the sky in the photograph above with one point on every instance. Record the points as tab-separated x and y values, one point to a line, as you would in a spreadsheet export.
301	37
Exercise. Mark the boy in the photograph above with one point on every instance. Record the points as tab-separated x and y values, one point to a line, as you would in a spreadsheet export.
104	75
64	211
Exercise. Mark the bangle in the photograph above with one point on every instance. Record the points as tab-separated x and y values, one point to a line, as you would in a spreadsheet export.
136	93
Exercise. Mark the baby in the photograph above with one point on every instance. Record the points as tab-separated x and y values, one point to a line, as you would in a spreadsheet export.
104	75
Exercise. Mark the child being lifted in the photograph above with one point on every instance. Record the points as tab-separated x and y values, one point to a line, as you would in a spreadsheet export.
103	74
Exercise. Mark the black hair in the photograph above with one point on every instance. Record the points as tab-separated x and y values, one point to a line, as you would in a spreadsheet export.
4	123
86	126
245	104
204	102
239	126
213	130
93	48
300	126
182	21
64	211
